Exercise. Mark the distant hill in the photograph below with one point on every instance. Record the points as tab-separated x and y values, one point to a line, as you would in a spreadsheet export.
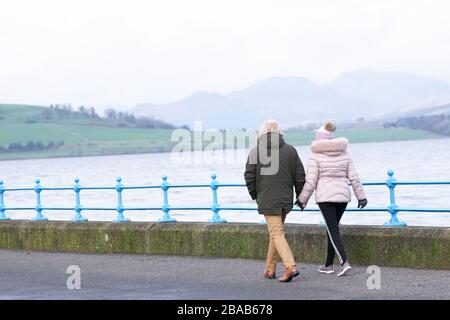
437	121
392	91
425	112
296	100
431	111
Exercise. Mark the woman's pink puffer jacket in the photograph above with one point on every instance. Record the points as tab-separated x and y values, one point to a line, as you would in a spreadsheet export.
329	171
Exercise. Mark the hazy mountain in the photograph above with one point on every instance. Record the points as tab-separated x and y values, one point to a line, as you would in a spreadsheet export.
213	109
392	91
291	100
295	100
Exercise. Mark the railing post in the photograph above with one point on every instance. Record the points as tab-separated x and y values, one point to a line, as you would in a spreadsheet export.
391	183
166	208
78	208
2	203
38	188
215	206
120	216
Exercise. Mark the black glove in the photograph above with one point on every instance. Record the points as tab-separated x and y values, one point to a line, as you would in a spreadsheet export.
300	205
362	203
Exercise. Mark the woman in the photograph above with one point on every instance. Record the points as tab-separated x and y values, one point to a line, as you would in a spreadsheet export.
329	171
271	184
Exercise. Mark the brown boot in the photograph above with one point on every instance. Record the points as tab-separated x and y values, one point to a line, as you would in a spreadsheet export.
289	273
269	274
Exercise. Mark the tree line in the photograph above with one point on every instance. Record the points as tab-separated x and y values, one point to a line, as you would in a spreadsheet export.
125	119
30	146
111	118
439	124
64	111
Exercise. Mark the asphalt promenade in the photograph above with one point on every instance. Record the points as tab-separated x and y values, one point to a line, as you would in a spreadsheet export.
42	275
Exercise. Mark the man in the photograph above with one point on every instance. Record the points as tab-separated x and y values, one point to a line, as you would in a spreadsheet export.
272	171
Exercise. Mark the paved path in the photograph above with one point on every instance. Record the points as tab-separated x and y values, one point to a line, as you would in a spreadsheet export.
38	275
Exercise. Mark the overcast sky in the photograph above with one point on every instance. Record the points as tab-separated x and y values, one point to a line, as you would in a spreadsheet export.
99	52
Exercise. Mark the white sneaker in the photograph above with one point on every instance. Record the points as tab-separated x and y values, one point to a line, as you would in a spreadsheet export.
344	269
327	270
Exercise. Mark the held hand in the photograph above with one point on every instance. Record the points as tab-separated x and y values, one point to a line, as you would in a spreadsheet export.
362	203
300	205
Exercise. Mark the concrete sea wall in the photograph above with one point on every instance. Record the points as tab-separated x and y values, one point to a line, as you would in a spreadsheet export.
416	247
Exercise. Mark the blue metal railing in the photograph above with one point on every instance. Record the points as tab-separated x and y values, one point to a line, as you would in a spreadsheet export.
391	183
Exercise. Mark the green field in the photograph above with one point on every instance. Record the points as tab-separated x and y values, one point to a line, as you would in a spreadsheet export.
81	137
87	137
359	135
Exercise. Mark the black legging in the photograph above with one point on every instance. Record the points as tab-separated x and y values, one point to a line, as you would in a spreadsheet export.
332	213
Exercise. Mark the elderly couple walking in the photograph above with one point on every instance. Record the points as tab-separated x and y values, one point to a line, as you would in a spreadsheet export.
274	170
